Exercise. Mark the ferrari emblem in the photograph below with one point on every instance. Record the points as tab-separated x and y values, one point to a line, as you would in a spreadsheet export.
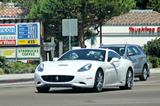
57	78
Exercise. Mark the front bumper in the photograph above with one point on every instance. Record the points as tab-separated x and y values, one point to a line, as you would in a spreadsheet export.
81	79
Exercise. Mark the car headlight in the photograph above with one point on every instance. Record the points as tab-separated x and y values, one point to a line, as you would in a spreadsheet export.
40	67
85	68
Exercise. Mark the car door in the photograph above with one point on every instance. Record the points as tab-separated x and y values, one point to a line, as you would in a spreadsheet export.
112	68
134	55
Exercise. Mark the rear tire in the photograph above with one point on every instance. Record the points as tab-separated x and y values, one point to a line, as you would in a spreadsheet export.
129	80
42	89
144	75
99	79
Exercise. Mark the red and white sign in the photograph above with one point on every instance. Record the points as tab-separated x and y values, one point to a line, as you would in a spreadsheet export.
8	35
144	29
7	42
131	30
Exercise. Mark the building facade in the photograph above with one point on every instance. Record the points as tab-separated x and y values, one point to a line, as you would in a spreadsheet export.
135	27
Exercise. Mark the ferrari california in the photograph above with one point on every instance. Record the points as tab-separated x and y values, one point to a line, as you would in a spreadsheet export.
85	68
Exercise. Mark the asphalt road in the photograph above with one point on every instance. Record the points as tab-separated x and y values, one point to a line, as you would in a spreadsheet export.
145	93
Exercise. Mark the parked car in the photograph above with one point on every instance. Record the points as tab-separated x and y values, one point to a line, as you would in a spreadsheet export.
85	68
134	53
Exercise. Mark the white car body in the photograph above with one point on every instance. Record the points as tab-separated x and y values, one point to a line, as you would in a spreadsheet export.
114	72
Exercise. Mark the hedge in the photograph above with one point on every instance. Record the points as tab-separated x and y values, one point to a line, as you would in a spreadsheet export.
13	67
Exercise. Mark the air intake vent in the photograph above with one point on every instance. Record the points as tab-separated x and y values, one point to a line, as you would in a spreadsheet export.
57	78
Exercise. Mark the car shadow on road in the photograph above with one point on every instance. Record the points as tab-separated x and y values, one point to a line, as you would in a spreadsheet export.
80	91
137	80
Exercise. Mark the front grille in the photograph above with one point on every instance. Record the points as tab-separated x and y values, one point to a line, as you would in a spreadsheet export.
57	78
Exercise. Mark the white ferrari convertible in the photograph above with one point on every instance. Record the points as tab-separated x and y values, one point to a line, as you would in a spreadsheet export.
85	68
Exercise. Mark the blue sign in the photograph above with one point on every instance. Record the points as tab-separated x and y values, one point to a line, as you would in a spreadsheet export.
7	29
27	31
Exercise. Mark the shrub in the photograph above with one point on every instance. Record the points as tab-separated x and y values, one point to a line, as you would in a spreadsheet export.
154	61
19	67
10	67
153	47
4	64
2	61
1	71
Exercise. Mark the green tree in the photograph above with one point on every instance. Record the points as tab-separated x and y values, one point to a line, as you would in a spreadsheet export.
88	12
148	4
142	4
154	4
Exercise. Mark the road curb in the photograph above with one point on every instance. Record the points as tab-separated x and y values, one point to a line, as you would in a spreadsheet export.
16	80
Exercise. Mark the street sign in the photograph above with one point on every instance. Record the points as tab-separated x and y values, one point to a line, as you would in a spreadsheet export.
69	27
48	46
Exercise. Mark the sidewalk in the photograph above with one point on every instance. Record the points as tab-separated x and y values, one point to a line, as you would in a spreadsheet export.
13	78
155	70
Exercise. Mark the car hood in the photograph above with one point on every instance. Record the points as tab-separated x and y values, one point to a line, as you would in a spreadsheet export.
65	67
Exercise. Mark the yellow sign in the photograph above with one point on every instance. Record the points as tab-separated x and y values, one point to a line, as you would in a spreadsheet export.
8	52
27	42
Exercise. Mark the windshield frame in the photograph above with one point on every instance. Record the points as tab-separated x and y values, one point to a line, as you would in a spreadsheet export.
116	49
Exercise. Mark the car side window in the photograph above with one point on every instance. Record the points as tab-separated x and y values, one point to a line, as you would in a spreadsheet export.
112	54
141	49
132	51
136	51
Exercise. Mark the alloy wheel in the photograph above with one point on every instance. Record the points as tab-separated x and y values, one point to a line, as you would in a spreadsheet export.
129	79
144	75
99	81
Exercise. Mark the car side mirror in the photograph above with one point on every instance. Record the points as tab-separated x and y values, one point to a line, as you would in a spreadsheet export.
55	59
114	60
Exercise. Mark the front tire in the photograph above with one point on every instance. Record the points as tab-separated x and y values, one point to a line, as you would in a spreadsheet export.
129	80
99	79
43	89
144	75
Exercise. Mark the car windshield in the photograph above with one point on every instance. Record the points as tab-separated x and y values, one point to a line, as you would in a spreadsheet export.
84	54
119	50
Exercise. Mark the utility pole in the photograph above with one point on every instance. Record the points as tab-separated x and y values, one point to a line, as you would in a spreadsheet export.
100	28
